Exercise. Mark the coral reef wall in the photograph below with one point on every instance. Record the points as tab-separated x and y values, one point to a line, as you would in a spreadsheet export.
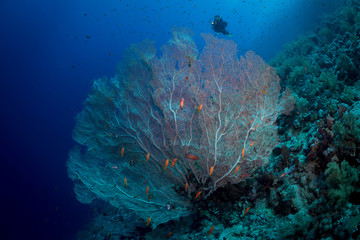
243	170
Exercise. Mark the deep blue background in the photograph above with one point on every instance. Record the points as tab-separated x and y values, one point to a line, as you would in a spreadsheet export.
47	64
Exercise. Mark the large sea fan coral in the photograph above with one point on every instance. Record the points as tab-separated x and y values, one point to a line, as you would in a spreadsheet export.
171	153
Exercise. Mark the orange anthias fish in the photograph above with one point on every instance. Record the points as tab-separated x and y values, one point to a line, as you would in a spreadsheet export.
263	91
147	190
244	175
200	107
168	235
211	170
187	77
211	229
148	221
246	211
125	180
186	187
243	152
252	143
166	164
192	157
255	126
198	194
122	151
282	175
173	162
237	169
182	103
147	157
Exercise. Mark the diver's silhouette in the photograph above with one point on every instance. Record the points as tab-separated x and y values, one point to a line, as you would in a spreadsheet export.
219	25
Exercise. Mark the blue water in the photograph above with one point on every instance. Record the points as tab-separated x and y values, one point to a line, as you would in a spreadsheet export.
50	51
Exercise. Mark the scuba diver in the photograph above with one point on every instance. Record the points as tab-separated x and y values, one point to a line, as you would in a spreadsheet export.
219	25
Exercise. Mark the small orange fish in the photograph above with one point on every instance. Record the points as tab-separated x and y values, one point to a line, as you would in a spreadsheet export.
200	107
265	86
198	194
186	187
244	175
147	190
166	164
211	229
125	180
173	162
246	211
263	91
192	157
187	77
255	126
149	197
168	235
122	151
237	169
148	221
147	157
182	103
252	143
243	152
282	175
159	90
211	170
